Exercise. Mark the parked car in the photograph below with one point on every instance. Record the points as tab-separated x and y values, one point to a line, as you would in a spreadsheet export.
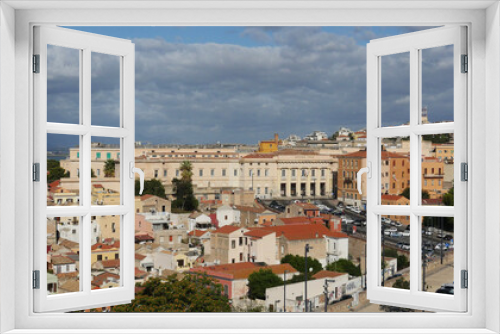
387	232
396	234
406	233
385	220
392	229
358	222
348	220
448	237
396	223
438	247
405	247
448	289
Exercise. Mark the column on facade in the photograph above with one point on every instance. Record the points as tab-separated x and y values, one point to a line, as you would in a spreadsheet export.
288	183
328	182
319	179
308	182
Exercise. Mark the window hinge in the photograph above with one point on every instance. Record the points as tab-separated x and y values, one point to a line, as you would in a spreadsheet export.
465	63
464	279
36	279
36	172
464	171
36	63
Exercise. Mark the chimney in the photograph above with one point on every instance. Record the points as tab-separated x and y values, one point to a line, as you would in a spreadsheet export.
335	224
276	138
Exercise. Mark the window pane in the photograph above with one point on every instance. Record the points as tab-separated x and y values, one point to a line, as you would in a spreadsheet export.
63	85
105	171
437	169
395	171
105	89
395	255
437	255
63	254
395	92
63	170
105	256
437	84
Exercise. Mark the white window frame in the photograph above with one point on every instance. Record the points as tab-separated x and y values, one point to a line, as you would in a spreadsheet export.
412	43
484	102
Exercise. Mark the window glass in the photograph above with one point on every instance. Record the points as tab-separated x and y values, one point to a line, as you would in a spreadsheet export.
105	90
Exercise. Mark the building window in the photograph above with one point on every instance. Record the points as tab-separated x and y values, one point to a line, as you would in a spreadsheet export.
98	172
212	172
266	172
235	172
164	173
177	173
201	172
156	173
322	173
98	155
224	172
108	155
233	244
293	172
283	172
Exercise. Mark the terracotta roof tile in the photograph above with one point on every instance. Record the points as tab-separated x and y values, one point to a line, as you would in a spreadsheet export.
226	229
115	263
327	274
61	260
295	220
258	233
197	233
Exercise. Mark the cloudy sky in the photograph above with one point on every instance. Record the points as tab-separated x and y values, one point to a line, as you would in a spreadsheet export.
197	85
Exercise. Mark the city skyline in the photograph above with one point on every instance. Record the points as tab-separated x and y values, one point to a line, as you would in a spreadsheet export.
200	85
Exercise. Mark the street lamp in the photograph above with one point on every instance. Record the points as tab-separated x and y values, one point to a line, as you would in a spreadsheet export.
306	250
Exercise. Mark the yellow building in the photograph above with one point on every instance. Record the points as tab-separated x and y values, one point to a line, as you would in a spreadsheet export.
110	226
433	177
104	196
105	252
267	146
444	152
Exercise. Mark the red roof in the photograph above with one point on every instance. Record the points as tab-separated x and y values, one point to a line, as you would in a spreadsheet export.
362	154
101	246
139	257
197	233
434	201
97	185
257	233
242	270
111	263
143	237
103	278
145	197
327	274
139	273
295	220
304	231
391	197
54	184
226	229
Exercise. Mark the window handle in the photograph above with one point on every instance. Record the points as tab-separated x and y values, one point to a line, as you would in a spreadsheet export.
368	171
139	171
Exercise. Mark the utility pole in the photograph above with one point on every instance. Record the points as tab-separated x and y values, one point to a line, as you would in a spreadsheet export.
306	250
424	260
326	291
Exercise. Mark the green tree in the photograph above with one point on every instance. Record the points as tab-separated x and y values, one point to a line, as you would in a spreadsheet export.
260	280
298	262
401	283
55	171
344	266
406	193
438	139
151	187
183	188
403	261
186	171
334	136
109	168
92	173
192	293
448	198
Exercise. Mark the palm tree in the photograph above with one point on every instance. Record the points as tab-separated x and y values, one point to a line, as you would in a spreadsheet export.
109	168
186	171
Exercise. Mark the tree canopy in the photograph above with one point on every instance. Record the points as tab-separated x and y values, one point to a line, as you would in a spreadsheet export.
448	198
109	168
151	187
403	261
183	187
406	193
298	262
55	171
260	280
192	293
344	266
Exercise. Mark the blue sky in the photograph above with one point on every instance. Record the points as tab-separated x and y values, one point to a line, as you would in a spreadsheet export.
198	85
